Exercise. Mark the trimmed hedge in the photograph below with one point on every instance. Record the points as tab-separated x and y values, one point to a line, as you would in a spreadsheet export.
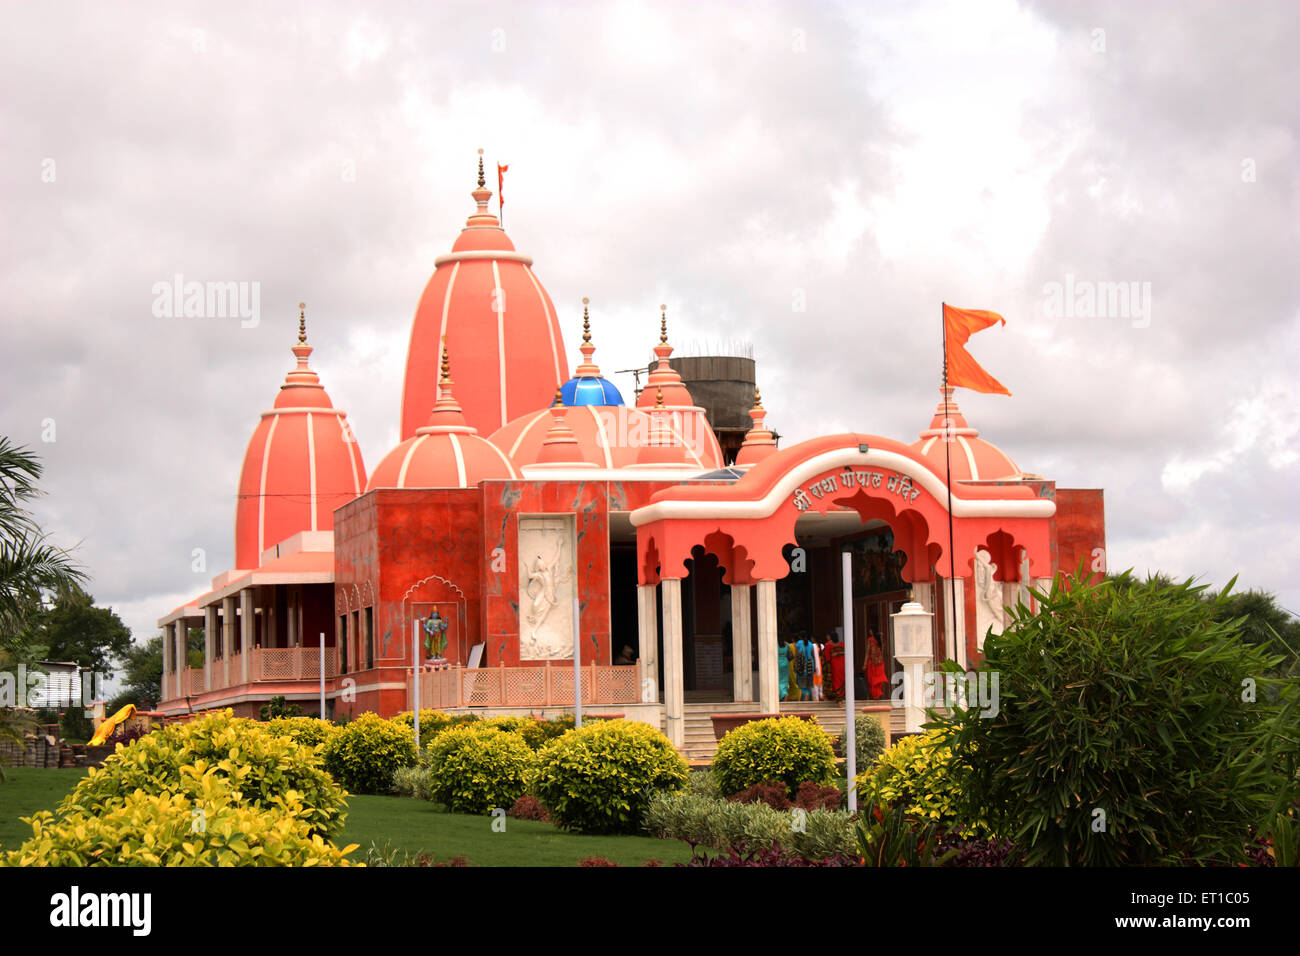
363	754
600	778
474	769
919	776
311	731
784	750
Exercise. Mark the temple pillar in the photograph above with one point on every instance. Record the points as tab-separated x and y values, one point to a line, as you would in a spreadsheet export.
247	627
210	638
768	681
674	686
647	630
954	631
167	683
742	660
227	638
180	653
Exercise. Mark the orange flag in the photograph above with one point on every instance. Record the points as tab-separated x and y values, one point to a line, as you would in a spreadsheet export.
962	370
501	181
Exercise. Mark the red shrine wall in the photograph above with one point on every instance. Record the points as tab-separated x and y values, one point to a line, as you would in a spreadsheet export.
1080	530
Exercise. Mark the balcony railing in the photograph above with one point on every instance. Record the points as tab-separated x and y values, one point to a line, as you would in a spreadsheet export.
547	685
264	664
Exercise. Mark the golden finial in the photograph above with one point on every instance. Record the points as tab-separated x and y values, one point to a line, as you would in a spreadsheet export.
446	364
659	399
663	324
758	398
559	400
302	323
586	322
481	181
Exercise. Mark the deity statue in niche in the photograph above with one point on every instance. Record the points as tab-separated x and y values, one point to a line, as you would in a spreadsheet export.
988	597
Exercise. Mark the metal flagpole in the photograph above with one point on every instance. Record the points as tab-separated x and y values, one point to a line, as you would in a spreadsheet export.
850	671
947	458
577	668
322	675
415	671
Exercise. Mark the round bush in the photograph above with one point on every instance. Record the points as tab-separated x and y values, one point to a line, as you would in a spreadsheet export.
259	765
363	754
306	730
868	739
473	769
601	777
784	750
917	774
538	733
198	821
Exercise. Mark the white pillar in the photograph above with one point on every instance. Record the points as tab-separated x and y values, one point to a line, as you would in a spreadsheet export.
227	638
210	637
180	654
247	629
168	648
272	616
674	714
955	639
647	628
742	659
768	681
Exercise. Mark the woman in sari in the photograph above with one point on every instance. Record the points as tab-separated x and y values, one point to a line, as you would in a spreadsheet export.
877	682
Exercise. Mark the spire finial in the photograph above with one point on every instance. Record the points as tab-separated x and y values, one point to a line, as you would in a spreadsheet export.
302	323
586	321
758	398
659	398
663	324
481	181
446	364
559	399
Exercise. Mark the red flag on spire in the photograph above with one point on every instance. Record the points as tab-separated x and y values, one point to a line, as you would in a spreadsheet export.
501	178
962	371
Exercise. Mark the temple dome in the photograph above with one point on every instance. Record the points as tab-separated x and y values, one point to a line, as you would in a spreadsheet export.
446	452
972	457
485	304
759	440
302	462
588	387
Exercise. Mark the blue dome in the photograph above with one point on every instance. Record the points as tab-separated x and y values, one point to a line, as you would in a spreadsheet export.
589	390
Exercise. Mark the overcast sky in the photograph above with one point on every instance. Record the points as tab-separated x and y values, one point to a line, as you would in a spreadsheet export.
732	160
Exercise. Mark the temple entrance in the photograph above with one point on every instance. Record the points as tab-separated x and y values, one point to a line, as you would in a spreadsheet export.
707	659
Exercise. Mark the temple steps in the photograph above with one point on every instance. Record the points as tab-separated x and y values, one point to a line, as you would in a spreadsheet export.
699	743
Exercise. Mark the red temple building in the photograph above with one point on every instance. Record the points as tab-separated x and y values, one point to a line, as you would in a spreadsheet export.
521	495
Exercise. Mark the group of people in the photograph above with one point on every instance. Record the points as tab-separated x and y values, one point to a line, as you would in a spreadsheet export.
809	669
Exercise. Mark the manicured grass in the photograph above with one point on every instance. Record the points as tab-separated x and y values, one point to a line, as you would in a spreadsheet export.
27	790
414	826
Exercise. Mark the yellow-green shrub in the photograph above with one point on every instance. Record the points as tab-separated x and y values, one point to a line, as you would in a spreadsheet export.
260	766
784	750
306	730
199	821
473	769
918	776
363	754
601	777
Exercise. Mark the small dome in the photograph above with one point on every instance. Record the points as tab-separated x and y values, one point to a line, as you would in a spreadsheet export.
971	457
444	453
301	464
759	440
664	377
587	387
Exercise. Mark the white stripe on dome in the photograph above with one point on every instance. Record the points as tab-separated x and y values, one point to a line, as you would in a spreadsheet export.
602	436
504	460
970	457
552	323
925	449
524	431
352	455
311	467
406	461
460	458
498	302
678	435
261	488
442	327
502	254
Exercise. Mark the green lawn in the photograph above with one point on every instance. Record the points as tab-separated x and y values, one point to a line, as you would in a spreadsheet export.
401	823
27	790
415	827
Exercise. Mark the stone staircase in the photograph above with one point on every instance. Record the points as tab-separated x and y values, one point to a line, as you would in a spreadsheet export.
699	743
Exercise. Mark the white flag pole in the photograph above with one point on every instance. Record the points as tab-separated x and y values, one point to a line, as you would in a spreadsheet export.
850	672
415	671
577	667
322	675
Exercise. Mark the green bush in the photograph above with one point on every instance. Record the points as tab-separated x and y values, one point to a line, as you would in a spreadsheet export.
704	783
538	733
363	754
779	750
277	706
414	782
868	740
1128	704
473	769
600	778
826	833
918	775
259	765
197	821
725	825
306	730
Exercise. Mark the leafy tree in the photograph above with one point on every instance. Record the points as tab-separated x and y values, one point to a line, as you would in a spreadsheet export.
74	629
30	567
1131	729
142	665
